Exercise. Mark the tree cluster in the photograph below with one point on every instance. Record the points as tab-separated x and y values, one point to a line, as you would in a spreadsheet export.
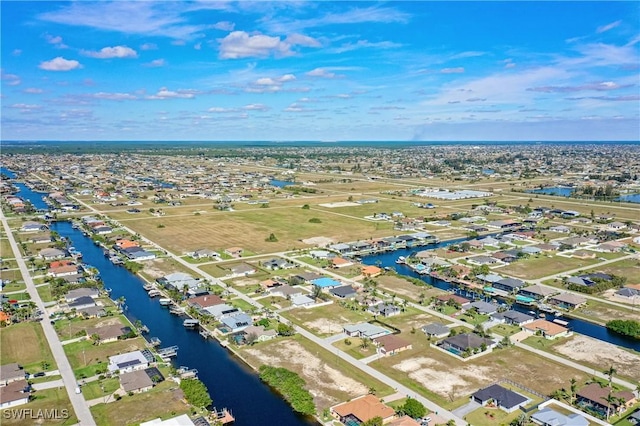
196	393
291	386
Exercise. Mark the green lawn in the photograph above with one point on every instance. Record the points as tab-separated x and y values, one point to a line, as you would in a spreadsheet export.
25	344
93	390
88	359
354	347
541	266
505	329
490	416
49	399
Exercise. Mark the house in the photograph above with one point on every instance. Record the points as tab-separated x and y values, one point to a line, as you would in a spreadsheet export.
139	255
10	373
404	421
221	311
137	381
560	229
243	269
452	298
14	394
611	247
33	227
550	417
81	303
236	322
51	254
127	362
277	263
271	283
340	248
182	420
205	301
109	333
512	317
509	285
362	409
327	283
634	418
340	262
482	307
307	277
178	281
102	230
234	251
629	293
371	271
261	335
320	254
301	300
205	254
595	396
285	291
465	342
436	330
537	292
41	239
489	278
504	398
391	344
483	260
344	292
505	256
384	309
549	330
365	329
567	301
63	271
77	293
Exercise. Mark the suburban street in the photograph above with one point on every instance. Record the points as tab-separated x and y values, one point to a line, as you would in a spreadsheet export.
77	400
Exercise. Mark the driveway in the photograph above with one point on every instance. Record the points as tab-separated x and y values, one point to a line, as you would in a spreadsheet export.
467	408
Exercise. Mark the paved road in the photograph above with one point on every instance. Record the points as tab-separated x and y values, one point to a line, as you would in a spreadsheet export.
77	400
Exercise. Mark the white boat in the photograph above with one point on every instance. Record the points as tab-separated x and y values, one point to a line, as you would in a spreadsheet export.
561	322
189	323
401	260
154	293
164	301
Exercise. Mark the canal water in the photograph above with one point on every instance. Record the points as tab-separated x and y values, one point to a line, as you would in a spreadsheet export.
230	382
281	183
561	191
34	197
596	331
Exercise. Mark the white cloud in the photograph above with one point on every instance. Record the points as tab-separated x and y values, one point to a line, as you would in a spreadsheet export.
155	63
148	46
114	96
224	26
365	44
60	64
33	90
222	110
608	27
10	79
457	70
255	107
55	40
197	46
26	107
111	52
302	40
239	44
321	73
165	93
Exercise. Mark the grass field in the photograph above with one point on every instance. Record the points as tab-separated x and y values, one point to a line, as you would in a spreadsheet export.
394	284
538	267
68	329
164	401
352	346
250	229
628	268
45	293
49	399
14	286
93	390
25	344
326	320
5	249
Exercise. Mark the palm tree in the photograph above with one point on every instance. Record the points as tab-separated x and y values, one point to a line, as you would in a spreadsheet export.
610	372
611	400
365	343
573	389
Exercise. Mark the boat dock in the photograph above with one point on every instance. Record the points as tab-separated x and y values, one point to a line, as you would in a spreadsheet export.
222	417
167	353
190	323
187	373
154	341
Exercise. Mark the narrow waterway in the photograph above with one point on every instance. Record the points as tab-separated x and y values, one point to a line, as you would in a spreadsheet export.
230	382
596	331
24	192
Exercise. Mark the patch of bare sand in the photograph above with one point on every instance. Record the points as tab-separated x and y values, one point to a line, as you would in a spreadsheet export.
442	379
318	241
149	269
321	379
245	282
327	326
602	354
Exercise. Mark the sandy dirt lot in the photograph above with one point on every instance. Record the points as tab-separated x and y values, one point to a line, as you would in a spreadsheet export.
339	204
326	325
602	354
322	380
318	241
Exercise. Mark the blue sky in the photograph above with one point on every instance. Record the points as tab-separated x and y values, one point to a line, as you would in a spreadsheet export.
360	70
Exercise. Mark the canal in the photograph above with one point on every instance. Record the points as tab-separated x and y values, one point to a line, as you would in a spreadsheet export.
24	192
596	331
231	383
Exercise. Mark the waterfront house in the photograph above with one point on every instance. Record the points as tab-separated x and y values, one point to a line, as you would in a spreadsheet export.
595	396
181	420
371	271
136	382
41	239
634	418
343	292
512	317
33	227
81	303
482	260
365	329
537	292
568	301
320	254
237	322
14	394
178	281
77	293
509	285
465	342
127	362
340	262
362	409
51	254
261	335
340	248
391	344
221	311
204	301
62	271
547	329
489	278
503	398
10	373
452	298
550	417
436	330
482	307
109	333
